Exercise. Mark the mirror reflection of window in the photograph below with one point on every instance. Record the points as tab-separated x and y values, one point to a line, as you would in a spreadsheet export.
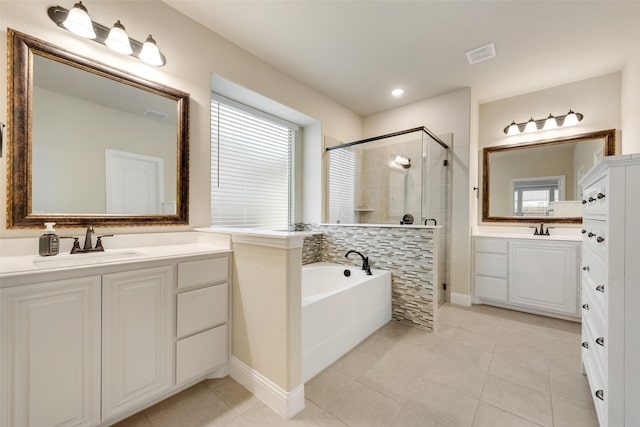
535	196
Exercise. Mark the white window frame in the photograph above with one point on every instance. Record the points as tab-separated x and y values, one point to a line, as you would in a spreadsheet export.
294	159
522	182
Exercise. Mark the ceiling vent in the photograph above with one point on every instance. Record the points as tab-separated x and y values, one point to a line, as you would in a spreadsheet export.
481	53
155	114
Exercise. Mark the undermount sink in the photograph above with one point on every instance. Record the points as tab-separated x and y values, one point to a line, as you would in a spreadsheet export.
68	260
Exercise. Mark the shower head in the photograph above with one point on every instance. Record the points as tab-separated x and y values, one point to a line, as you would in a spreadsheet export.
402	161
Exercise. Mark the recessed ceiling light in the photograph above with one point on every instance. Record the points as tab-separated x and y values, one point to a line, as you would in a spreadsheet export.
481	53
397	92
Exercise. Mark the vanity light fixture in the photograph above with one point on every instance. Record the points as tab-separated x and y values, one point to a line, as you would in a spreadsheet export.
78	22
118	39
551	122
115	38
150	52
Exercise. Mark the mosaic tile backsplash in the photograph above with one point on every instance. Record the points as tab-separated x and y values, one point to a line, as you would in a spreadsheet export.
407	252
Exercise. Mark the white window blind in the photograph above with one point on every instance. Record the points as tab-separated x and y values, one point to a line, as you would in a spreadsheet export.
342	167
252	167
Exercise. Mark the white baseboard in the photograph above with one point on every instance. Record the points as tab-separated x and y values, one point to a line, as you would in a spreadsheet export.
461	299
285	403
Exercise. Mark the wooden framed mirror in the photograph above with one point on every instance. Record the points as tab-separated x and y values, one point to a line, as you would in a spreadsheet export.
538	181
89	144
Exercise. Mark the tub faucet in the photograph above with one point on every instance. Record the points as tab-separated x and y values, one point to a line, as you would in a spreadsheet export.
365	261
430	219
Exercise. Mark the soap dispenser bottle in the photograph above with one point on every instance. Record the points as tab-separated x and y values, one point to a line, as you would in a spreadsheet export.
49	241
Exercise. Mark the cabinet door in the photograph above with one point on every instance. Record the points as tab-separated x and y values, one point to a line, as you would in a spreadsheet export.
137	338
50	357
544	275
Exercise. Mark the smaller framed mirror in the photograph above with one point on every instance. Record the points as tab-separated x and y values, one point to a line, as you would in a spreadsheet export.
89	144
539	181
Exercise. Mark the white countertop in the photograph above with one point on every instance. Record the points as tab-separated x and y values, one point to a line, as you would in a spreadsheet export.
19	256
531	236
560	233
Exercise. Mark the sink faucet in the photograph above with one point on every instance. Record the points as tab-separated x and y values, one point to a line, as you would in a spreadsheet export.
365	261
88	245
541	231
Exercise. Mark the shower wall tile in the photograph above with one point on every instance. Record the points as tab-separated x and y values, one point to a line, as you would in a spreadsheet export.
409	253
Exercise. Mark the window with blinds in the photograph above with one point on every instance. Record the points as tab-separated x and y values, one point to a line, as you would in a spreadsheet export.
252	167
342	180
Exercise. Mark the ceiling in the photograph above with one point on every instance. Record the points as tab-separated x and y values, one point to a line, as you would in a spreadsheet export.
355	52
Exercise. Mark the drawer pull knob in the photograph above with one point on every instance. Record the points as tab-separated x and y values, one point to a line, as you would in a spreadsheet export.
600	288
585	268
585	306
590	234
600	341
584	231
600	394
600	196
585	344
600	239
584	202
591	199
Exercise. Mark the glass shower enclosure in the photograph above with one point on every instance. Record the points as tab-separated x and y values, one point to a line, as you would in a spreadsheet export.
398	178
401	178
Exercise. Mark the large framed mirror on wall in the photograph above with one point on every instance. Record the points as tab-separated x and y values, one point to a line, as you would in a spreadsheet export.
89	144
539	181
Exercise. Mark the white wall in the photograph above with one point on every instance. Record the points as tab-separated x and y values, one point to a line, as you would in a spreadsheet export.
448	113
631	104
178	37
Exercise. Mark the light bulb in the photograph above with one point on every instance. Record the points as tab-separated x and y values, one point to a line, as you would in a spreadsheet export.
79	22
118	39
397	92
570	119
150	52
513	129
550	123
531	126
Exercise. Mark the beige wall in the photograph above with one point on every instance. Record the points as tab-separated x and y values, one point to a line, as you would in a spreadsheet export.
59	163
448	113
631	104
267	314
177	37
598	99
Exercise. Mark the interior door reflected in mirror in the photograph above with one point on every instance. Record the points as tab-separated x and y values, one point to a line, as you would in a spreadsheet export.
540	181
90	144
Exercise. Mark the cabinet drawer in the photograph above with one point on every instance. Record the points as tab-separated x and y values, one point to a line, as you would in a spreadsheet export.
490	265
594	337
595	237
594	199
498	246
490	287
202	272
201	353
202	309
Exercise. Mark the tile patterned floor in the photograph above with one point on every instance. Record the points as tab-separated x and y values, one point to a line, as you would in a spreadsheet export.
484	367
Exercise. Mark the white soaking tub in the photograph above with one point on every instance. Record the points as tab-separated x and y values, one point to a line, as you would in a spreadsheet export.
338	312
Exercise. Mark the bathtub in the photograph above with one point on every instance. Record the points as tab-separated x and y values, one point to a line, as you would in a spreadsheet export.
338	312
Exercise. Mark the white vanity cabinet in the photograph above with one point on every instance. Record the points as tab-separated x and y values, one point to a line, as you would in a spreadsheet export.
50	338
531	274
610	289
202	310
105	342
137	337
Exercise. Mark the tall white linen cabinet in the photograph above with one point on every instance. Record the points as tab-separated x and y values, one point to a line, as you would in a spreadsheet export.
611	289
